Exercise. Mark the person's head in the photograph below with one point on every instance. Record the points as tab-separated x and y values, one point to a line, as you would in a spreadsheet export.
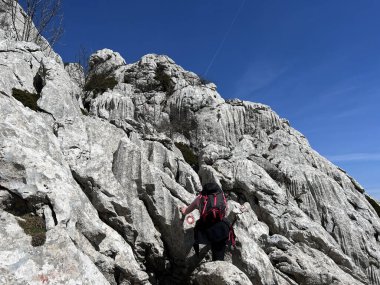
210	188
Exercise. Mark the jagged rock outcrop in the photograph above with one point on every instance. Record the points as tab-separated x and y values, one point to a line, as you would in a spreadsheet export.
219	273
91	180
76	73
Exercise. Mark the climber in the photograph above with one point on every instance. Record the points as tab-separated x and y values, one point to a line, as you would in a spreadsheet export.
212	227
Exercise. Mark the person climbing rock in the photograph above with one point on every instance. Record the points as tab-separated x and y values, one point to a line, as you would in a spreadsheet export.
212	227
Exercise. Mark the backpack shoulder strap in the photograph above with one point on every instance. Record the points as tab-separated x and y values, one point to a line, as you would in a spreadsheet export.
204	198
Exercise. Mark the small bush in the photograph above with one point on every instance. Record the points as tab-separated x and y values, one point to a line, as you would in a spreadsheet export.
34	226
129	78
188	155
100	83
164	79
203	80
27	99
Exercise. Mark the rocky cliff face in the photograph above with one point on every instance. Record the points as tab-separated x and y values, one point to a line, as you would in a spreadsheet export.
91	180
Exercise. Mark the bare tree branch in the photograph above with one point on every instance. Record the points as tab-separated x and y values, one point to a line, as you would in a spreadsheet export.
41	19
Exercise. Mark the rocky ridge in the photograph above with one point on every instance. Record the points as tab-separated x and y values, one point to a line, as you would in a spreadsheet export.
104	168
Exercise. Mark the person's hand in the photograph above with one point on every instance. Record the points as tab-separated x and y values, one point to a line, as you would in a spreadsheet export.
183	209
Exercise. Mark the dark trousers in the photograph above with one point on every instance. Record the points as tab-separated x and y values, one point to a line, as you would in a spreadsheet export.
218	249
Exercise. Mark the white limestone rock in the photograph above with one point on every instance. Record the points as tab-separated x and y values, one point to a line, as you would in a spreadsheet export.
76	73
58	261
107	59
34	169
20	62
219	273
105	70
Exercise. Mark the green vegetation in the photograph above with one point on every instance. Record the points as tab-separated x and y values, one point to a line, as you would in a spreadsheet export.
34	226
129	77
100	83
164	79
188	155
27	99
161	81
203	80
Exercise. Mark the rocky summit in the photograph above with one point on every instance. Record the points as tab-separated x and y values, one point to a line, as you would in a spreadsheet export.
94	168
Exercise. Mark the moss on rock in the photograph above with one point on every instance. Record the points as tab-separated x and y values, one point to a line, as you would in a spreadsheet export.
34	226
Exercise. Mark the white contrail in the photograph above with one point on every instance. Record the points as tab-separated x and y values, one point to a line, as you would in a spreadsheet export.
355	157
225	37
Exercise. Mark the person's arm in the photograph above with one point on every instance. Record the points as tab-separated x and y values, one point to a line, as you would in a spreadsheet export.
186	210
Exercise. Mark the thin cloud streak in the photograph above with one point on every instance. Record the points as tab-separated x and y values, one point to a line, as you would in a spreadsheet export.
224	38
351	112
258	75
355	157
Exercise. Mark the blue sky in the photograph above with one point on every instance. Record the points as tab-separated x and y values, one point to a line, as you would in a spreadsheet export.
315	63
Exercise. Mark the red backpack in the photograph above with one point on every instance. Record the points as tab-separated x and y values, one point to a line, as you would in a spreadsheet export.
213	208
213	205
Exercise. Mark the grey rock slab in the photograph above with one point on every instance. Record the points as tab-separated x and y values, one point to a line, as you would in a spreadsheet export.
113	106
91	158
161	194
36	171
219	273
19	64
306	265
59	94
58	261
76	73
117	203
248	255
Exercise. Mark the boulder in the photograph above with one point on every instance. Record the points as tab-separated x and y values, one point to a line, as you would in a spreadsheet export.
104	71
219	273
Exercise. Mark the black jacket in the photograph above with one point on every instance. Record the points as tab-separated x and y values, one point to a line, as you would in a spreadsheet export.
207	234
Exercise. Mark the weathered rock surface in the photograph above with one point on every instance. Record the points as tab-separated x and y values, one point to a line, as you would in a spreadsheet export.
93	199
35	175
58	261
219	273
76	73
